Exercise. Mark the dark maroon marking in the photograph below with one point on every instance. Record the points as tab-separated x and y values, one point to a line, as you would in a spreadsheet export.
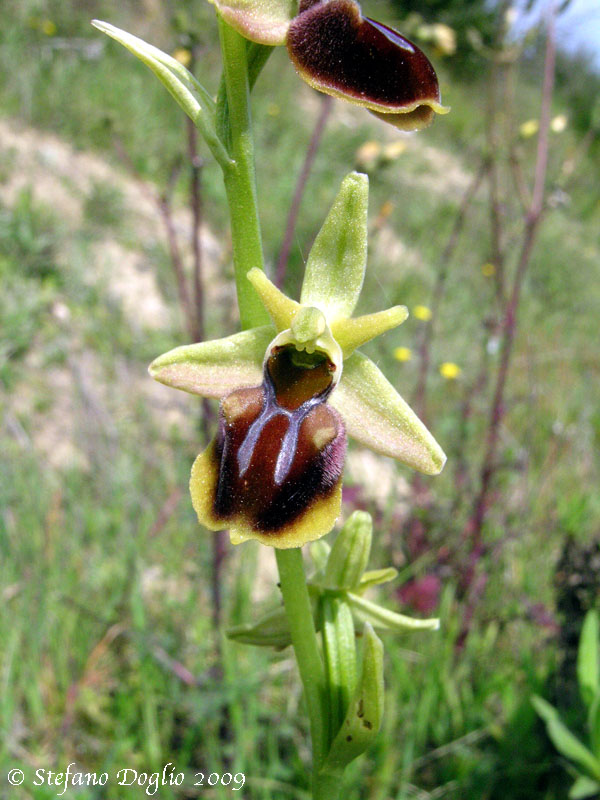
340	49
269	468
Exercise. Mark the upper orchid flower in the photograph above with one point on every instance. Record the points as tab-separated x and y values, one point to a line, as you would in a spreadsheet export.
291	390
340	52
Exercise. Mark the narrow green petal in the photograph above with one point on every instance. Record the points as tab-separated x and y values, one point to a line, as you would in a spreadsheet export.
281	308
215	368
262	21
378	417
356	331
336	264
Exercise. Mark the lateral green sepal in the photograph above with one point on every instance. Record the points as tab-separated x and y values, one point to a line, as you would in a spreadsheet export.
365	711
216	367
379	418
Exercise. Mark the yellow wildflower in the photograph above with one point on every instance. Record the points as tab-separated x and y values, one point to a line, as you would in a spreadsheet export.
183	55
394	149
403	354
488	270
450	370
48	27
367	154
529	128
422	312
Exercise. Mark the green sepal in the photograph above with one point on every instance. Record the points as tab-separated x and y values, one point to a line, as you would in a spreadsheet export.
588	664
379	418
181	84
262	21
271	630
584	787
376	577
339	650
336	263
216	367
365	711
379	617
565	742
350	552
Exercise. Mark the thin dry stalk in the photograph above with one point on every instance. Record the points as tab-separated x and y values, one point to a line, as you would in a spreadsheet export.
533	217
311	153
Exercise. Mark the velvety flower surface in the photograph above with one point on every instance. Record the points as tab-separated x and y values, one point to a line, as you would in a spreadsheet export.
291	391
340	52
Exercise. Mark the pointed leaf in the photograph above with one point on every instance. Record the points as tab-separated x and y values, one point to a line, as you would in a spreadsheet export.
588	666
378	417
365	712
381	617
336	264
350	552
565	742
262	21
594	725
217	367
181	84
584	787
271	630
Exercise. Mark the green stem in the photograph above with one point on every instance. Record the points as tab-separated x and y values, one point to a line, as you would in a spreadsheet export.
310	664
239	177
240	187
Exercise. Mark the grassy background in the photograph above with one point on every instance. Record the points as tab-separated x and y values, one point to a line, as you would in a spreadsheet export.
108	656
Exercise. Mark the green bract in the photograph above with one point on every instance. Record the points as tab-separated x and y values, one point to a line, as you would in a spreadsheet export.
319	327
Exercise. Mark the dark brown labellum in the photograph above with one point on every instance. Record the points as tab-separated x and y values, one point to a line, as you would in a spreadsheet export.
280	447
338	50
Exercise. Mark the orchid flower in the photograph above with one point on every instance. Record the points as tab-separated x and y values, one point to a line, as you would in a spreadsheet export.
292	390
338	51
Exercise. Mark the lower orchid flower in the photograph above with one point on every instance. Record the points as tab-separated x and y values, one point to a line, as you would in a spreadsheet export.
291	391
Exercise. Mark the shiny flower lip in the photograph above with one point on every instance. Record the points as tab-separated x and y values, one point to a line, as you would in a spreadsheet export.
339	52
291	391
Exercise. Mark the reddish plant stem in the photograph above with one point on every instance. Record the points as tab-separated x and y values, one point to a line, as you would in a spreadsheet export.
474	529
311	153
495	202
420	396
219	548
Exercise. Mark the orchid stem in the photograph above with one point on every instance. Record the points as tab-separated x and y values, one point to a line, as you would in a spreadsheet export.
240	187
310	664
239	176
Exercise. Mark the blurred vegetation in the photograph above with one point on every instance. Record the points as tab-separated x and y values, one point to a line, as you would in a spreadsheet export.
108	656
